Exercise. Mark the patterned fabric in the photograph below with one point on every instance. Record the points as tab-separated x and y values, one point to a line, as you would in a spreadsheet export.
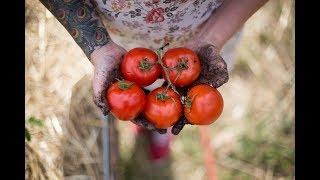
152	23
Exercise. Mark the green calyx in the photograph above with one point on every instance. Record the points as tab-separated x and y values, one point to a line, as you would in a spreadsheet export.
162	96
124	85
145	64
188	102
182	64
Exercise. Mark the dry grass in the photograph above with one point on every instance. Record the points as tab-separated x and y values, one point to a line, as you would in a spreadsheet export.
250	140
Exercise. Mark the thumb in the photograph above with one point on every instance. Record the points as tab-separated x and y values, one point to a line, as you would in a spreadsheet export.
102	104
99	93
214	68
179	125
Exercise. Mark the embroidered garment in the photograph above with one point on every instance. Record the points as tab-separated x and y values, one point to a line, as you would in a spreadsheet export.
152	23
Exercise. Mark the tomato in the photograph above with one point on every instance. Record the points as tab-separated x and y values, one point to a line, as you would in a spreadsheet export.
163	109
126	100
140	65
184	66
204	104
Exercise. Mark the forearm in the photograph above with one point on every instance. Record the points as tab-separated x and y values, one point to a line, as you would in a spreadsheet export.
81	20
228	19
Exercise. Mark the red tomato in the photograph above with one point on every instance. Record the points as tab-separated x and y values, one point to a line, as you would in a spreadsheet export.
126	100
140	65
204	105
184	66
163	110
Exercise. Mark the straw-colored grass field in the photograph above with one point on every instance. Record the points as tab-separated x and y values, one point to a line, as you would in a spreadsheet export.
254	138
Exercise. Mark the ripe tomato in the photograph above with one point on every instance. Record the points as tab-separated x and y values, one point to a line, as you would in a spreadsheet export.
184	66
204	105
163	110
140	65
126	100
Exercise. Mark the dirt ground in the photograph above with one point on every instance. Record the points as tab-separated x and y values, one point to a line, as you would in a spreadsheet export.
253	139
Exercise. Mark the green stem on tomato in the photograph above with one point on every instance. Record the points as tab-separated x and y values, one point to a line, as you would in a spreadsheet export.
145	64
165	69
179	73
124	85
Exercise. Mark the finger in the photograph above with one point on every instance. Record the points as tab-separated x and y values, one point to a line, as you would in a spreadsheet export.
216	73
214	68
220	71
101	105
104	76
176	129
142	122
99	93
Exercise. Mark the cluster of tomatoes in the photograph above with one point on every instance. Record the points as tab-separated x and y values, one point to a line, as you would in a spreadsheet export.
163	106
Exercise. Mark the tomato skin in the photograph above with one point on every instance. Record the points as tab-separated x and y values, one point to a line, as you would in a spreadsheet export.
163	113
206	105
188	75
130	66
125	104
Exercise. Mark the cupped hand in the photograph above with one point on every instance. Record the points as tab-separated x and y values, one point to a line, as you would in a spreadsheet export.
214	69
143	122
213	72
106	62
107	59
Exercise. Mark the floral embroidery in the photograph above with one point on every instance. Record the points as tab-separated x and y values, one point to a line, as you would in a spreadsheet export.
151	3
155	16
186	29
157	28
108	14
196	2
209	8
178	17
133	13
167	39
141	36
173	28
132	25
118	5
157	41
151	23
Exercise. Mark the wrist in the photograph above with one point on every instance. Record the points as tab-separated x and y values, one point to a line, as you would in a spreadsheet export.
202	42
209	35
214	36
216	40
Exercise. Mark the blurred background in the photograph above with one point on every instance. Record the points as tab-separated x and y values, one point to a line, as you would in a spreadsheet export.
253	139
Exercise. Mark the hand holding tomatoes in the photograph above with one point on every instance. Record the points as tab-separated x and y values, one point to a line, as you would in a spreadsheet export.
106	62
214	70
203	105
187	98
143	122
